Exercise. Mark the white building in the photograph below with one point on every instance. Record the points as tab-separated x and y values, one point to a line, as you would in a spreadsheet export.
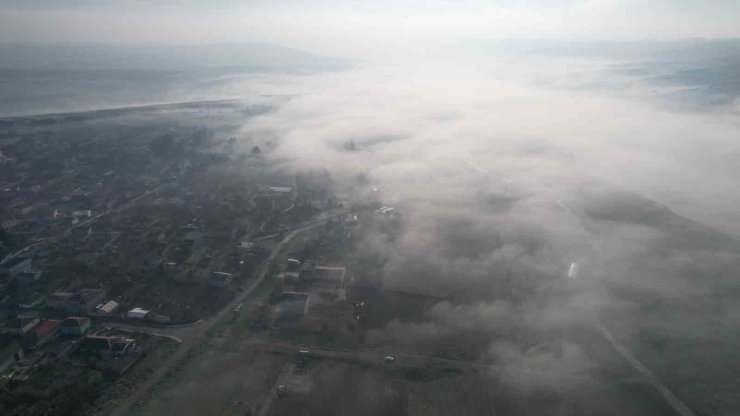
280	189
137	313
82	213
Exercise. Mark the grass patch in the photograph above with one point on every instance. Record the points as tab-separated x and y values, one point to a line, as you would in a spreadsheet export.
386	305
60	389
220	260
185	369
195	256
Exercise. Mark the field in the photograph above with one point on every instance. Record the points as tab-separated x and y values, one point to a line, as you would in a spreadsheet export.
157	350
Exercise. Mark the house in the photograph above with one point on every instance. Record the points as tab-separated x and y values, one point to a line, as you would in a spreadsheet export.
23	266
75	325
28	277
82	213
32	300
385	210
4	159
246	245
107	308
42	334
333	276
326	276
106	345
21	324
61	300
90	298
248	248
137	313
84	301
307	270
9	223
351	220
31	208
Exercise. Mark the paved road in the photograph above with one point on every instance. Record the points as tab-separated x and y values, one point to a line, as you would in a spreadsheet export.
186	330
673	400
402	358
192	335
196	334
303	226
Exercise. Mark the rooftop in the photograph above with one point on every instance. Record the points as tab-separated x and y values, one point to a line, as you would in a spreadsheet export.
109	306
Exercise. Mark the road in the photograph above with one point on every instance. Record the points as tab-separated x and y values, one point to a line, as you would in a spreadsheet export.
303	226
402	358
673	400
186	330
192	335
196	334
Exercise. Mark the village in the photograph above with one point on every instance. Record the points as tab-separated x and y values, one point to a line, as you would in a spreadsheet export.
152	231
118	252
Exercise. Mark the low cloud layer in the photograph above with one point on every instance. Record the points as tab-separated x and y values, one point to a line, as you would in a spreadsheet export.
464	126
502	183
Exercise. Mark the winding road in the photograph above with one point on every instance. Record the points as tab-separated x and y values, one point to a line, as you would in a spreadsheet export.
195	334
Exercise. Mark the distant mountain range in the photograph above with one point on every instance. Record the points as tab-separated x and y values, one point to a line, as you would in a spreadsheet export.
690	74
232	56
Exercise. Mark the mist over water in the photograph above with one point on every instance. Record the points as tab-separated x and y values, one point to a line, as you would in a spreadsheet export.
38	78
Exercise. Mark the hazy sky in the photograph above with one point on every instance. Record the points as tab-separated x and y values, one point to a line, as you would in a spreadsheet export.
355	29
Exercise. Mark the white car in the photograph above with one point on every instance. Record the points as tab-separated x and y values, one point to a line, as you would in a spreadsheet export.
389	359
